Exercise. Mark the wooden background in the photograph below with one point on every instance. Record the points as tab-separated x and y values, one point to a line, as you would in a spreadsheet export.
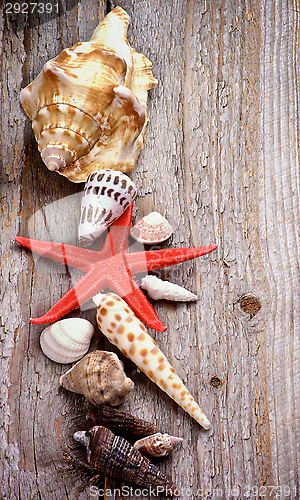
221	162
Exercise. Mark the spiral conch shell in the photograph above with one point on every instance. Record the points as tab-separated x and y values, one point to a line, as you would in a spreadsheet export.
157	445
88	105
67	340
120	325
100	377
158	289
115	456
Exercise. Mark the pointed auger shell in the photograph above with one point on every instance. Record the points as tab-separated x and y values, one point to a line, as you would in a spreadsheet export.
88	105
120	325
117	458
120	421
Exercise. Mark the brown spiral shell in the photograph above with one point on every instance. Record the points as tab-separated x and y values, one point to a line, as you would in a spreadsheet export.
120	421
116	457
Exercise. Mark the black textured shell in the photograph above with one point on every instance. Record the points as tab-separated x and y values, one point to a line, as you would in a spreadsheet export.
116	457
120	422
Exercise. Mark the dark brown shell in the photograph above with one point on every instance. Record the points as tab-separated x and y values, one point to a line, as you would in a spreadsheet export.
115	456
120	422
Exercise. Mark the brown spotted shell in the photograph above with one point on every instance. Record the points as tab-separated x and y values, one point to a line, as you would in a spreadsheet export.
88	105
157	445
100	377
116	457
120	421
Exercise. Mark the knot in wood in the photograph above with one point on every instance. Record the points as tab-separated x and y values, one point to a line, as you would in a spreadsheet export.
215	381
250	304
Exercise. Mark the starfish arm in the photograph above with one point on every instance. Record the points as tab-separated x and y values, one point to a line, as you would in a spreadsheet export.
140	305
117	238
84	289
59	252
156	259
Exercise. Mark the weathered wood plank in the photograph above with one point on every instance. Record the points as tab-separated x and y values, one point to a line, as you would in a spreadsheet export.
221	163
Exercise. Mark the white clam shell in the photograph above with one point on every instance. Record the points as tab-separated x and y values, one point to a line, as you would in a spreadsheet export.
158	289
151	229
67	340
106	196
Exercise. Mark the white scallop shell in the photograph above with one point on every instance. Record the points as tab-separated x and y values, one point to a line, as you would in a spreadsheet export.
158	289
151	229
106	196
67	340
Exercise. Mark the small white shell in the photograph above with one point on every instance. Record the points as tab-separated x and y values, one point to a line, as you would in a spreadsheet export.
157	445
106	196
158	289
67	340
151	229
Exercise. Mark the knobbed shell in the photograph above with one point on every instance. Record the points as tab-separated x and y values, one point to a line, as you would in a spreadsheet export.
151	229
158	289
116	457
100	377
106	196
88	105
120	421
157	445
67	340
120	325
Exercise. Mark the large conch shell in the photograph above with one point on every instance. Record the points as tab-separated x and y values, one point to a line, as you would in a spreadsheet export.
100	377
88	105
115	456
120	325
106	196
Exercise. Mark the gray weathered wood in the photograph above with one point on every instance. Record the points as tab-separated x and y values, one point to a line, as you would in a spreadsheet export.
220	161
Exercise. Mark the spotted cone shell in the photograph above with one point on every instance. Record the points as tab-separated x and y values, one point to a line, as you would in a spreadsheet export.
106	196
151	229
100	377
117	458
120	325
157	445
120	421
67	340
88	104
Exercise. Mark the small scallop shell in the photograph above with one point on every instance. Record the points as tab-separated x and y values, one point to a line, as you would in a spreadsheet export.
106	196
67	340
100	377
151	229
158	289
157	445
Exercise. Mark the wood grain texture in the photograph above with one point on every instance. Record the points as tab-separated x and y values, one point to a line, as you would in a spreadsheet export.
221	162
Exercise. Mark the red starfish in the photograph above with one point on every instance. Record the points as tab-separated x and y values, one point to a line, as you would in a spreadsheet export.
112	267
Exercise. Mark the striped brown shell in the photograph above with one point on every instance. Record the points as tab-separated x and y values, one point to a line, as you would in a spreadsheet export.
120	421
117	458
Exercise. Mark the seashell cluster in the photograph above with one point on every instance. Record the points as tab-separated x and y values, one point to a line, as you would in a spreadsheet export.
158	289
67	340
120	325
157	445
151	229
116	457
88	105
106	196
100	377
120	421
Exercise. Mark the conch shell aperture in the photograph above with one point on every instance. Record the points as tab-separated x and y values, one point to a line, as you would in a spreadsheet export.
88	105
